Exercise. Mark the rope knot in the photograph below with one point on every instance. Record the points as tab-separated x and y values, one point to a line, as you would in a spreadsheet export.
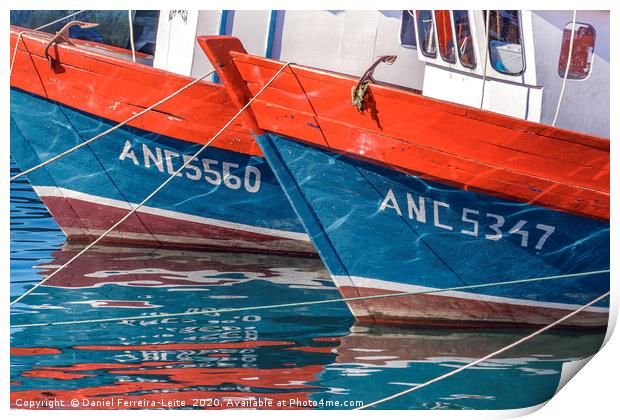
361	88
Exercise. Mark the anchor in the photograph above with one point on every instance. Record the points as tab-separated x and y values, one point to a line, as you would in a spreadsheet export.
63	36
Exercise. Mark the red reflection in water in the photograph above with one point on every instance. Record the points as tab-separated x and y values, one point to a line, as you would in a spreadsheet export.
33	351
172	384
50	374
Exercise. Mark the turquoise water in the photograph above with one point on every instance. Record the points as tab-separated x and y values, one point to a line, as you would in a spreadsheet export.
304	357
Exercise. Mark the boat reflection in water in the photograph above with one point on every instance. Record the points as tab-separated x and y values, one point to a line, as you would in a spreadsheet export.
299	357
398	359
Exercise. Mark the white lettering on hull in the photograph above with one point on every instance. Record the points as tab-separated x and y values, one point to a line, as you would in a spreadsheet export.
212	171
472	222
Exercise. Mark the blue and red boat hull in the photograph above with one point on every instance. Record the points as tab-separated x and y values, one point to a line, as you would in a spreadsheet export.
223	200
227	198
472	217
380	230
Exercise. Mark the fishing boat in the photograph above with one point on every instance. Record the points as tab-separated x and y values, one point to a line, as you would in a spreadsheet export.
473	203
66	90
89	80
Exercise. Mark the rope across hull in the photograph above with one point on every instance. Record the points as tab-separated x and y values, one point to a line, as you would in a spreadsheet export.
380	230
224	200
415	195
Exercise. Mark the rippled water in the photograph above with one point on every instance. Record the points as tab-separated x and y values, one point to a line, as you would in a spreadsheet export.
304	356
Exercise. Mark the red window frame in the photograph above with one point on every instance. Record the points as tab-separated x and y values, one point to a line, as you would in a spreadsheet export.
445	36
464	38
582	53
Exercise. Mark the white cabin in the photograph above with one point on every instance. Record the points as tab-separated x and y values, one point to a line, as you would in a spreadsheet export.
441	53
526	56
345	41
519	69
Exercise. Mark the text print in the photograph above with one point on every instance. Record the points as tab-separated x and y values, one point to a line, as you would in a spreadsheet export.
210	170
471	220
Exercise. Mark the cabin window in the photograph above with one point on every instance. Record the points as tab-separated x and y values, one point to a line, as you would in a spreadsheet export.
407	30
445	39
113	26
464	39
505	49
426	36
583	50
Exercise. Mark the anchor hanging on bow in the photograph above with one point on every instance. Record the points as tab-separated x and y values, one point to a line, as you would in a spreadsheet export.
63	36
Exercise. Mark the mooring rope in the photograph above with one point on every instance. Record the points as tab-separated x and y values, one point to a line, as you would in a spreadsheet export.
111	129
568	63
152	194
487	357
310	303
131	41
21	34
486	57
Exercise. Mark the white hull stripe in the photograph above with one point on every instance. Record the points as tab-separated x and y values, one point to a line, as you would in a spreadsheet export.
394	287
45	191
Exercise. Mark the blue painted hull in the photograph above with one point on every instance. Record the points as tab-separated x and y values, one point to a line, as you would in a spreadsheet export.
380	230
224	199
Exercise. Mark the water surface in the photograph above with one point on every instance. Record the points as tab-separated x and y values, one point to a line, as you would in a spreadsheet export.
311	356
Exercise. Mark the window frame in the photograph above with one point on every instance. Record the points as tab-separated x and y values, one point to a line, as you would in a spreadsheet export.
419	34
474	48
591	64
413	25
521	44
452	33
